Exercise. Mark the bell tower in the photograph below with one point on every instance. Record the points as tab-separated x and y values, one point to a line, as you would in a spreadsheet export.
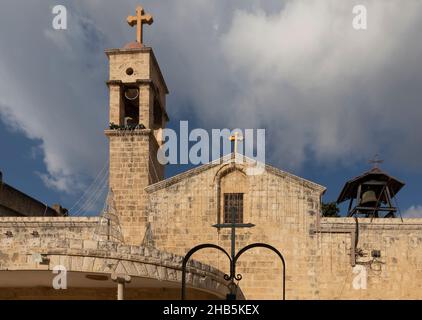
371	194
137	112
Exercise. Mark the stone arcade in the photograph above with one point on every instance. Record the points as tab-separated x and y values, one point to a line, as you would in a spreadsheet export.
158	220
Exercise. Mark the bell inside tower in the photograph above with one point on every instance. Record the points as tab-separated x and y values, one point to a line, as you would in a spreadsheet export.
369	198
130	101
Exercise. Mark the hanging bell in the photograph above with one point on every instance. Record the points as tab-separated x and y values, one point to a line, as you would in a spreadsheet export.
132	93
369	198
129	121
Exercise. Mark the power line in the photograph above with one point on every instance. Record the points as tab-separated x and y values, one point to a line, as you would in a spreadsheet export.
88	191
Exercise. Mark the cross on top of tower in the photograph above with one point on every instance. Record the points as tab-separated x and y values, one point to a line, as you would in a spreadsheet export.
376	161
235	137
139	19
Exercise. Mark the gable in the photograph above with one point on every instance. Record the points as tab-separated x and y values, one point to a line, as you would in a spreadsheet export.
218	166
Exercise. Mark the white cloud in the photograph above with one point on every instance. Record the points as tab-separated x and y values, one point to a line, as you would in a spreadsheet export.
46	92
323	90
326	88
413	212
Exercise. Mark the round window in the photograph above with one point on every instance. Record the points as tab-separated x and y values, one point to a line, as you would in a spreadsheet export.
129	71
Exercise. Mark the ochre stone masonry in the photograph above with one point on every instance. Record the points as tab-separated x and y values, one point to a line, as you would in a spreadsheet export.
162	219
133	161
285	209
130	174
69	242
397	274
320	253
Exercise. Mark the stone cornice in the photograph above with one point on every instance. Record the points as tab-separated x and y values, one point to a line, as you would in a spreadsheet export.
6	222
114	51
137	81
135	132
110	52
333	224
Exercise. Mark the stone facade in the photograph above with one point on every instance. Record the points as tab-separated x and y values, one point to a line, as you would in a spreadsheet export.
178	213
320	253
162	219
283	207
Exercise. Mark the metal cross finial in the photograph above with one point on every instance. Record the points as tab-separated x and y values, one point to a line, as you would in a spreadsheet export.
235	137
376	161
139	20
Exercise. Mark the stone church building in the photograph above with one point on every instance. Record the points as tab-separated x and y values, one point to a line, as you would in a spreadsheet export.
135	248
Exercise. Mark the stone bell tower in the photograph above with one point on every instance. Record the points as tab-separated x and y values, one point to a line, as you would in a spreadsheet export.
137	116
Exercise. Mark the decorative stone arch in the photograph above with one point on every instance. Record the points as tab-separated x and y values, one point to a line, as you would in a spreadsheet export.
231	178
98	264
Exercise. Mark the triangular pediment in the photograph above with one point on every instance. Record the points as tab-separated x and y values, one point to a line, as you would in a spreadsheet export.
228	159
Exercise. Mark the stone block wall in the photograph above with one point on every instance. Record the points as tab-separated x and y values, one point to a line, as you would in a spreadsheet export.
69	242
130	173
396	274
320	253
283	207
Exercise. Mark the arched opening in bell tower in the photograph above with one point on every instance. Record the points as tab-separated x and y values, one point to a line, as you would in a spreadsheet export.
130	99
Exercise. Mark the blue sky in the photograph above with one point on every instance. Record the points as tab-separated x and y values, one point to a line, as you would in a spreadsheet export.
330	97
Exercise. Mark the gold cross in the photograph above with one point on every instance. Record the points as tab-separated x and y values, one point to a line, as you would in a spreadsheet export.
235	137
139	20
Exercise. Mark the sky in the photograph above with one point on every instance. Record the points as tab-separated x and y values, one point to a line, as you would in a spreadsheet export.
330	97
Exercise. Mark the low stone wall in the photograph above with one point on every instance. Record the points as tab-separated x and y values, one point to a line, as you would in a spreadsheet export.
69	242
344	245
331	249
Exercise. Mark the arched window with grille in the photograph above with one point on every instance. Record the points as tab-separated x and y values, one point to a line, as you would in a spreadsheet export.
232	194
